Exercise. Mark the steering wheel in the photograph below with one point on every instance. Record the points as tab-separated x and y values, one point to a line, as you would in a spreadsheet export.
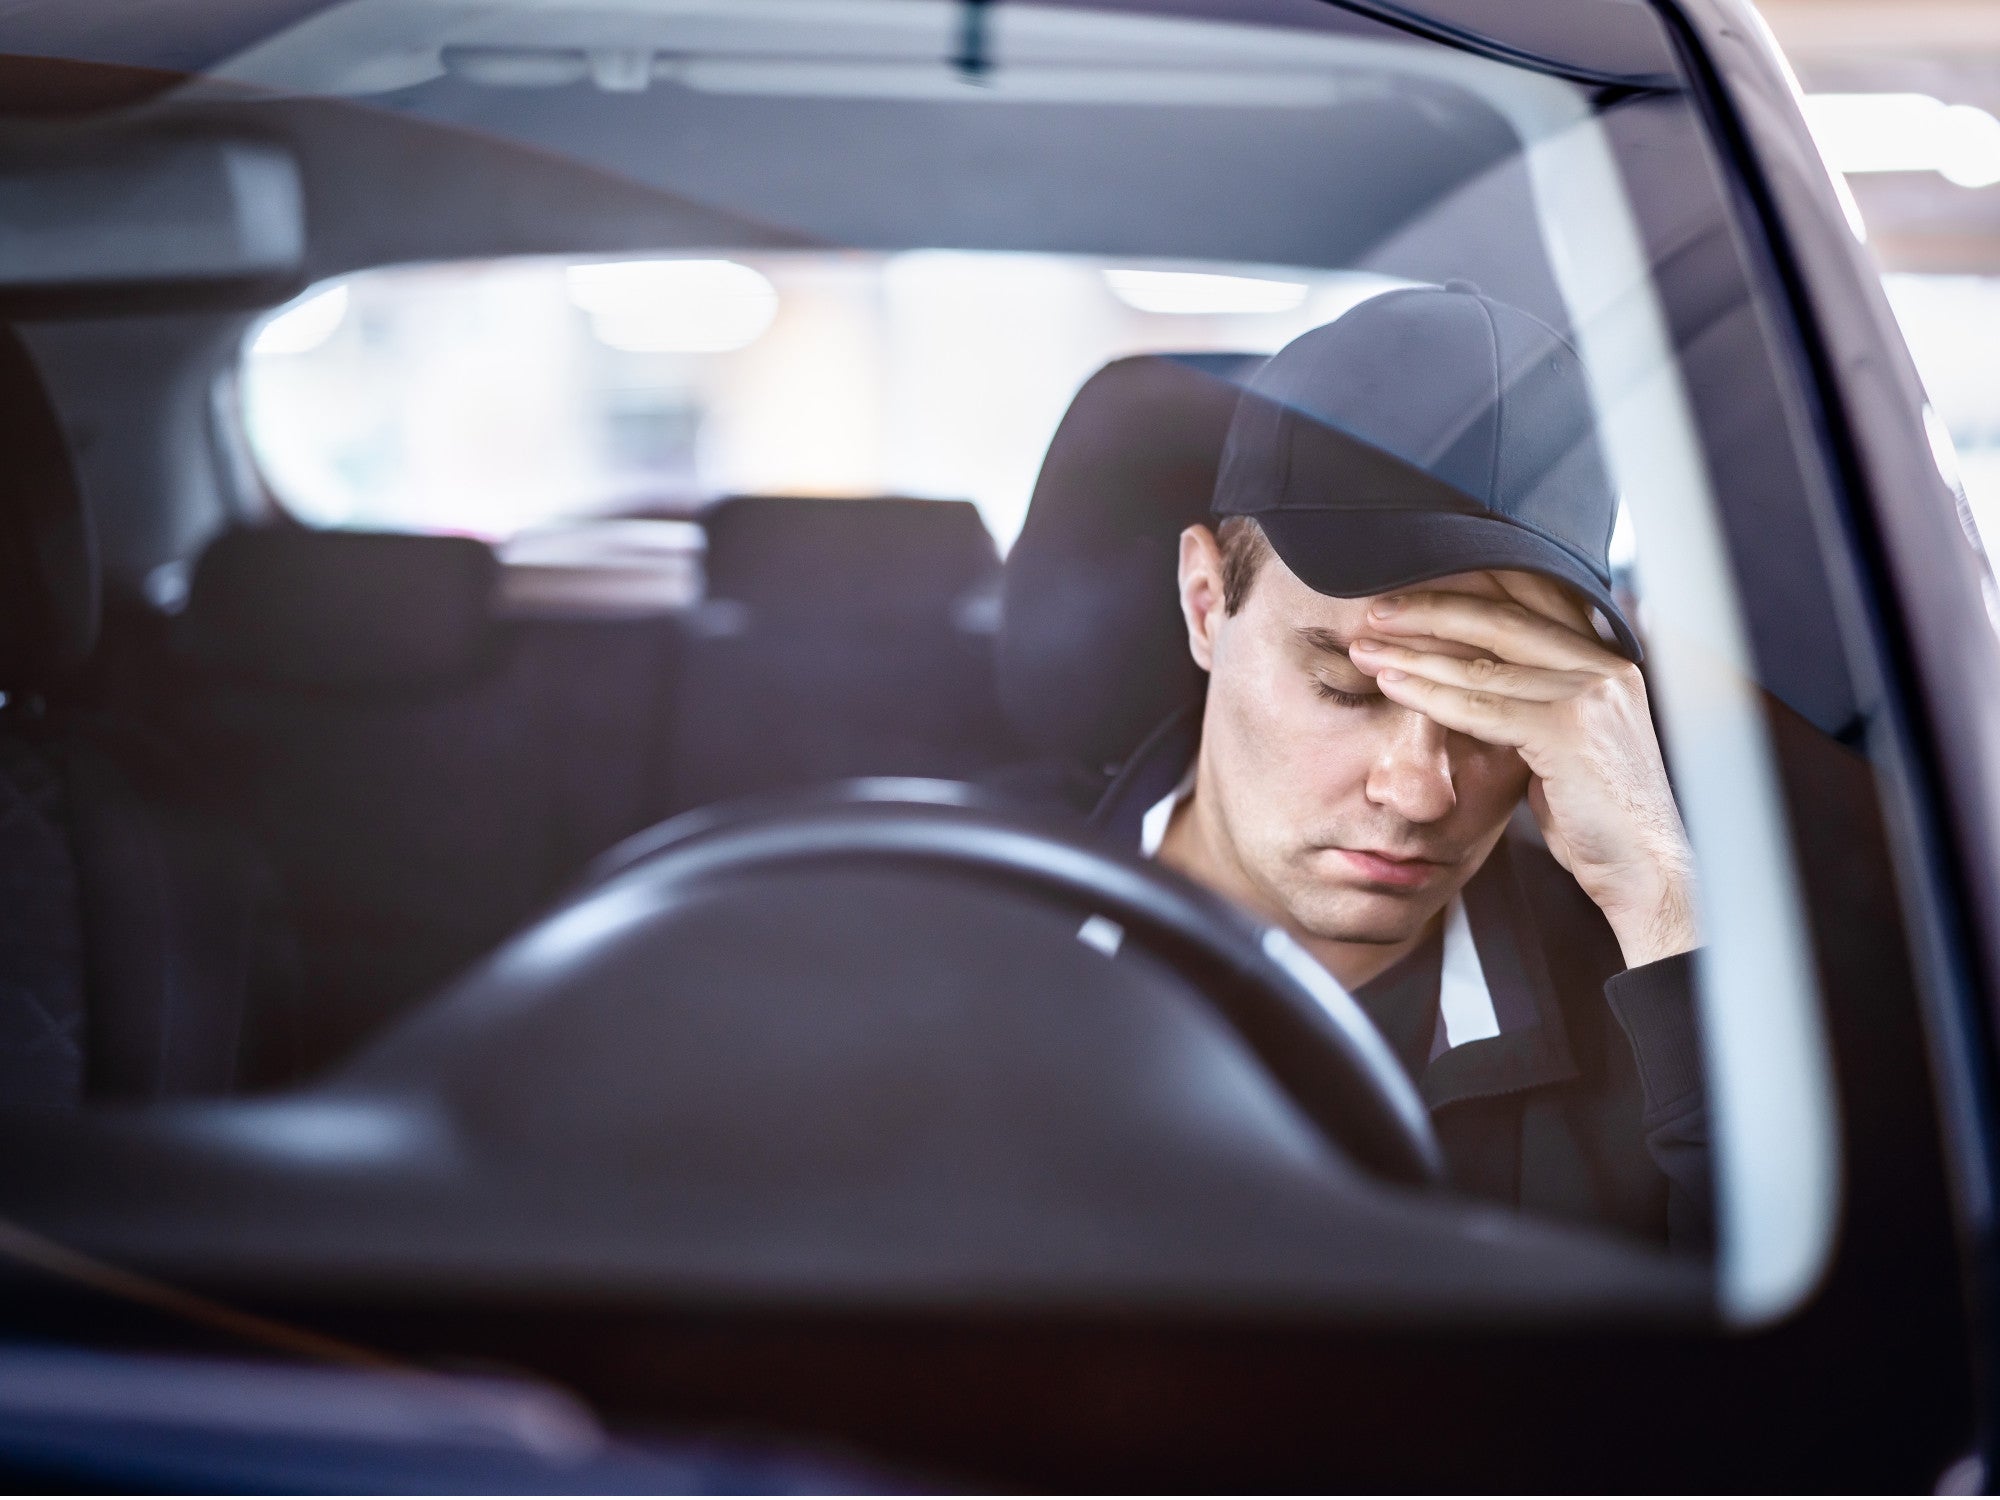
1307	1031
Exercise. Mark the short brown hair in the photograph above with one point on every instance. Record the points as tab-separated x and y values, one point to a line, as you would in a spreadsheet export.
1244	548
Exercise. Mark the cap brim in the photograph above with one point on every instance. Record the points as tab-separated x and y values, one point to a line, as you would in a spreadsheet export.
1351	554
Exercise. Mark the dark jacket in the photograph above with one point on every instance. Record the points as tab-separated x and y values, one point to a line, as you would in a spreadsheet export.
1589	1105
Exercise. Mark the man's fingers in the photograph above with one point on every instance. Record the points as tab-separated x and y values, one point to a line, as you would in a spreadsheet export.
1480	674
1510	631
1484	716
1545	597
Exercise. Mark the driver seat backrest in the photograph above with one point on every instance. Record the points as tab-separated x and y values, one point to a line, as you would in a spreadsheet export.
1092	650
140	955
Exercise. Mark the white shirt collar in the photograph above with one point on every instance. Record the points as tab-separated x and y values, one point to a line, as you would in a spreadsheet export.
1465	1002
1153	827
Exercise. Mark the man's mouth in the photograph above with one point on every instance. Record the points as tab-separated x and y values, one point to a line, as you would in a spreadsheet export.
1378	867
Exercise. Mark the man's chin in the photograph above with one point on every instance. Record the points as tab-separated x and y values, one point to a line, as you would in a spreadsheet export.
1343	914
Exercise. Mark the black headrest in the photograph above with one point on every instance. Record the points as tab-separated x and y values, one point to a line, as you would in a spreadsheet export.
341	608
48	556
787	554
1093	654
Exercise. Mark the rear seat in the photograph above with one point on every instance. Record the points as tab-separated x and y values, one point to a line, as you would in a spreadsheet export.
839	638
422	774
425	771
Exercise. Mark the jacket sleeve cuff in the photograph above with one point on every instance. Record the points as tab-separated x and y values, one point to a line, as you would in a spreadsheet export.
1655	1005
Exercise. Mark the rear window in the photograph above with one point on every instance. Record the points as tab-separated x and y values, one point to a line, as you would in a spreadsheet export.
493	396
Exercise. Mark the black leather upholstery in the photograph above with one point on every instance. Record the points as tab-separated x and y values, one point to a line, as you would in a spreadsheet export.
140	954
48	569
798	557
190	962
1093	653
41	932
839	638
342	609
48	618
422	774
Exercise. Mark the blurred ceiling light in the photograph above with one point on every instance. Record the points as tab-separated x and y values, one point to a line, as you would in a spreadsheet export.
1202	292
517	67
621	70
304	326
1016	83
1339	295
631	69
1906	133
674	306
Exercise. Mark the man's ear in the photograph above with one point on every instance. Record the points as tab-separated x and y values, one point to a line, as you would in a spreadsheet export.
1201	592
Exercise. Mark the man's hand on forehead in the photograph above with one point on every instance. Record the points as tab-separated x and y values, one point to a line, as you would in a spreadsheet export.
1544	596
1539	630
1520	591
1523	668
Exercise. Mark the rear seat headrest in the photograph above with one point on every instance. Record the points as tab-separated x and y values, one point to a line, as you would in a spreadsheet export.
341	608
1092	652
787	554
49	600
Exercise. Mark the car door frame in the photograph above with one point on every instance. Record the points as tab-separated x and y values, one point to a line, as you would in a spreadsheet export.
1921	579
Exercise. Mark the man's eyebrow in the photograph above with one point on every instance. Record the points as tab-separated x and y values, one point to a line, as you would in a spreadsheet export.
1321	639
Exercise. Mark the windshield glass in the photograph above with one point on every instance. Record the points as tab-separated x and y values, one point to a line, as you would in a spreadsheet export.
1208	480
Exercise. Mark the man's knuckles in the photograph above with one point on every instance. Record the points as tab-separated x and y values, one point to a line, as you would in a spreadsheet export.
1477	673
1489	706
1598	718
1484	671
1616	705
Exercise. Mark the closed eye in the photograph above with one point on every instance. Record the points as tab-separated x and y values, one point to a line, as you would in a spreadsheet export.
1344	699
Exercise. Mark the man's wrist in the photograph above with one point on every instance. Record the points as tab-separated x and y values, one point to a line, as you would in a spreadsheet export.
1661	927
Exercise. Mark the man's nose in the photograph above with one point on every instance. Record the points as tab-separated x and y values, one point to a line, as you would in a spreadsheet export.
1411	776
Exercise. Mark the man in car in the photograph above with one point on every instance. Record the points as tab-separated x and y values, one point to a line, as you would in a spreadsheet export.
1396	619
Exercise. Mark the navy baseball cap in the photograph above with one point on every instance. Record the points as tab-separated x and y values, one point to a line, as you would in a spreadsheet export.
1427	431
